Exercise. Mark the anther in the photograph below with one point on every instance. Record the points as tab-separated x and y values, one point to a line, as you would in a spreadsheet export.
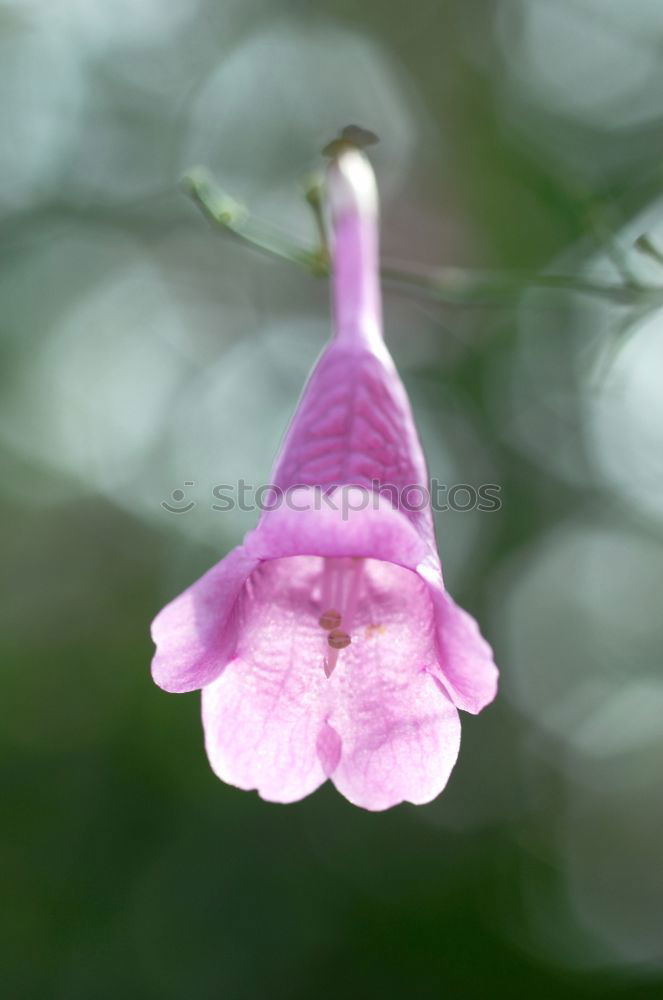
338	639
329	620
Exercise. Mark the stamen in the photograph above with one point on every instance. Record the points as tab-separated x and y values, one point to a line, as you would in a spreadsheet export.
341	580
329	620
338	639
327	577
336	600
353	593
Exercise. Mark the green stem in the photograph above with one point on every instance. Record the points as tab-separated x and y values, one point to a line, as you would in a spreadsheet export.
314	197
451	285
222	210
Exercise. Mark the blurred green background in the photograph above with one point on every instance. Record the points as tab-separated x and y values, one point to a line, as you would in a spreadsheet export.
142	350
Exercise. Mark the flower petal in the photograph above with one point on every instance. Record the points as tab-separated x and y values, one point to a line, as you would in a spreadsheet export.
260	731
403	749
264	717
381	726
466	666
196	634
349	521
400	734
353	424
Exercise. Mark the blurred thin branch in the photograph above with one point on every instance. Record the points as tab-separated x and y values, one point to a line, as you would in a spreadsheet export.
452	285
221	209
462	286
645	245
606	243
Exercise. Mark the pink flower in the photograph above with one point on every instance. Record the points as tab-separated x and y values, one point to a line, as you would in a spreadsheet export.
326	645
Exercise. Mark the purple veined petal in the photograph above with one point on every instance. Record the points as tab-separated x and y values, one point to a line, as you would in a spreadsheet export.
196	634
466	665
258	736
399	732
347	521
264	715
380	726
400	749
353	425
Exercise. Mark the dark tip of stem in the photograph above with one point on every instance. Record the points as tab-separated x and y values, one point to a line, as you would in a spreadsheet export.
351	136
359	136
